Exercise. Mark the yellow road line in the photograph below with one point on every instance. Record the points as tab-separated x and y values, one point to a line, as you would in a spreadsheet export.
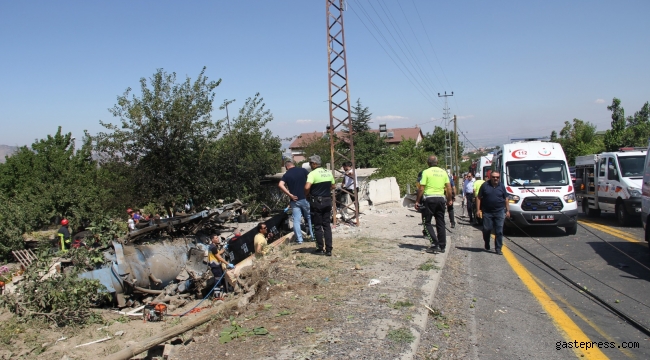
584	318
618	233
562	321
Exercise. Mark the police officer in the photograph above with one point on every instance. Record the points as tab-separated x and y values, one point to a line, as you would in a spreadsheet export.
436	189
318	189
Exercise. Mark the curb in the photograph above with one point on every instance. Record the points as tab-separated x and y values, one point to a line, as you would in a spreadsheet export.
422	315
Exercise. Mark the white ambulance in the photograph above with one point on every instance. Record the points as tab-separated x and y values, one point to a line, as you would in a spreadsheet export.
484	165
540	192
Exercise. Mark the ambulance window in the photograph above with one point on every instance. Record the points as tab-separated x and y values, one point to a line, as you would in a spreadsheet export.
602	167
612	174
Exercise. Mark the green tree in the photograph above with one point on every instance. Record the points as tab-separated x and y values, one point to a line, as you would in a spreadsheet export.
318	146
554	136
403	162
244	155
638	128
49	180
434	143
614	137
361	117
367	147
164	137
579	138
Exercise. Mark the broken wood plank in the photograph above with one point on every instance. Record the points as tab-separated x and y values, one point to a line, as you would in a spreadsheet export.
94	342
147	344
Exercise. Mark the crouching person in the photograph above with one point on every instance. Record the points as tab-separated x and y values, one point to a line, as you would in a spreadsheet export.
217	263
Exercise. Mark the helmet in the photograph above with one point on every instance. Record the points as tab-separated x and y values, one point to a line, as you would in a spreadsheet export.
129	210
64	222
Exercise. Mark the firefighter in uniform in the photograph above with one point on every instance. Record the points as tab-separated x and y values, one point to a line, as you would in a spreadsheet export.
318	189
436	189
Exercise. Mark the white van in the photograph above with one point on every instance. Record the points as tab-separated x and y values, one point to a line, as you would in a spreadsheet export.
645	195
540	191
485	165
611	182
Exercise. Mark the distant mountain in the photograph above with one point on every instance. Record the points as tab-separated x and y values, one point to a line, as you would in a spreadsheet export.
6	150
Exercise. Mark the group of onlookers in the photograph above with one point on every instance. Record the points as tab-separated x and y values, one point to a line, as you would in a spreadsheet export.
486	202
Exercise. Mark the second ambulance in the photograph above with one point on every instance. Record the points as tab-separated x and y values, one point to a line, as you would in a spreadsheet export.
540	192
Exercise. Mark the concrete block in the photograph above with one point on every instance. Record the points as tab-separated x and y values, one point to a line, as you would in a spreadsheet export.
383	191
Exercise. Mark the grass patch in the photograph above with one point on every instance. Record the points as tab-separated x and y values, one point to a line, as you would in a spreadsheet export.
274	282
10	329
401	335
428	265
401	304
309	264
283	313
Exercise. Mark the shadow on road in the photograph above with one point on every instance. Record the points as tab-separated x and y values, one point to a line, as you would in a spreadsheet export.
472	249
620	261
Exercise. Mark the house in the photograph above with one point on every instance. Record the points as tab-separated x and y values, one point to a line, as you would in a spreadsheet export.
392	136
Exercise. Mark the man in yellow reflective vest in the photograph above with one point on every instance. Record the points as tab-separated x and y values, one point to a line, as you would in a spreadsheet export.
436	190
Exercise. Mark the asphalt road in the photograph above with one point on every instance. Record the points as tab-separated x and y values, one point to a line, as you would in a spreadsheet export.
525	310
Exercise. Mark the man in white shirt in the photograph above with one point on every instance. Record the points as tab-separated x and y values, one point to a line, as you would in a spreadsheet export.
468	190
348	183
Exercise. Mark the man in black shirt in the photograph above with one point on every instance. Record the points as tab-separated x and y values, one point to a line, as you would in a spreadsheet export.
493	207
293	184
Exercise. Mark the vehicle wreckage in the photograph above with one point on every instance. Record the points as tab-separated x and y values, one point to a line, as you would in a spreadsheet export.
167	257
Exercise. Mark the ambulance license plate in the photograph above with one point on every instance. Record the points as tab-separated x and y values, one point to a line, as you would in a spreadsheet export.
543	217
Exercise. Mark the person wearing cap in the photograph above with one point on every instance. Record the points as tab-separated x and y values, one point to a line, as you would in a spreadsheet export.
64	235
318	189
293	185
436	189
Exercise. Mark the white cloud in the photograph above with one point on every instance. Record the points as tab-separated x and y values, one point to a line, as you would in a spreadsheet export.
599	101
390	118
463	117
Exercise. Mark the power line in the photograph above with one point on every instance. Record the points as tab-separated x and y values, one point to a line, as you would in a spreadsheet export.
407	45
402	68
397	44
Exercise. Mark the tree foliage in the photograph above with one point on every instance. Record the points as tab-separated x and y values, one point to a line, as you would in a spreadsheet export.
614	136
361	117
47	181
403	162
63	299
579	138
244	155
631	131
164	136
434	143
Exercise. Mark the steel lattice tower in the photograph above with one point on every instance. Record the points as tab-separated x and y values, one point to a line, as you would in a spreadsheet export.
448	145
341	143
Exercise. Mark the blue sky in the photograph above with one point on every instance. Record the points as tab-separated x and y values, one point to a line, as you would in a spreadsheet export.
517	68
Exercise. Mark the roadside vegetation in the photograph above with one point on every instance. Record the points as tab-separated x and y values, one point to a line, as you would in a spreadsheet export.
163	151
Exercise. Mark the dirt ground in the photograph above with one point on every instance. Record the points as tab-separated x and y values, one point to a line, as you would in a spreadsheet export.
365	302
317	307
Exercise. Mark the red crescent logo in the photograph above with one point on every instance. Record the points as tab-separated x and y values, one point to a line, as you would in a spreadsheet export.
519	154
544	152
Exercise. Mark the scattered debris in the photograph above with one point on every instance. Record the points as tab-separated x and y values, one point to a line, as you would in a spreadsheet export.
94	342
25	257
374	282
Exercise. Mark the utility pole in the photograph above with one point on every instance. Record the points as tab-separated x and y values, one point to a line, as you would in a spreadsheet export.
448	145
225	106
339	100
